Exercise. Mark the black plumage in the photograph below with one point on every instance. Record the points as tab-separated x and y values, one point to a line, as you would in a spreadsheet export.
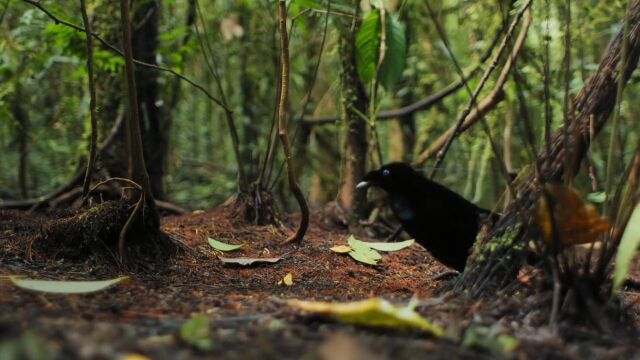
440	220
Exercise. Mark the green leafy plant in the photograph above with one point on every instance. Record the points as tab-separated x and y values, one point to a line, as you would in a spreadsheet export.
368	43
627	249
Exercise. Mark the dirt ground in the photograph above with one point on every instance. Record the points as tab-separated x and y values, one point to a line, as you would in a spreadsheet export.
245	307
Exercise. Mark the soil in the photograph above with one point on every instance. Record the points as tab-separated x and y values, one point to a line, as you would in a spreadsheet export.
246	310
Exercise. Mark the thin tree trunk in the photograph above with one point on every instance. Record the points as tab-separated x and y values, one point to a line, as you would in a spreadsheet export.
152	122
23	121
354	101
137	170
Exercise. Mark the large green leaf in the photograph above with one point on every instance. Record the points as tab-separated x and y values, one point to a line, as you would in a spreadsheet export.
395	55
627	248
368	42
64	287
368	47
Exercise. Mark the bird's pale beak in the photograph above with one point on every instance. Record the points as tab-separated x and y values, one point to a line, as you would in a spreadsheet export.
363	185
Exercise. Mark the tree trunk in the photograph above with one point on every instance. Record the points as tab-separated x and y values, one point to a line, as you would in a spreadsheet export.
153	124
22	119
354	100
109	89
595	101
136	170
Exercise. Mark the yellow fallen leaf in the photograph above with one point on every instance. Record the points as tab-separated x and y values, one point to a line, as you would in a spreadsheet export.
375	312
288	279
341	249
134	356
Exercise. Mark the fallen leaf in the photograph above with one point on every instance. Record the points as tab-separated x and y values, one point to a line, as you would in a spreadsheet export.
219	245
196	332
576	222
489	339
358	256
288	279
390	246
64	287
363	248
375	312
341	249
246	261
134	356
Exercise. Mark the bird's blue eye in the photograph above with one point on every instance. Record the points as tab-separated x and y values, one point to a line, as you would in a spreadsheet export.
386	172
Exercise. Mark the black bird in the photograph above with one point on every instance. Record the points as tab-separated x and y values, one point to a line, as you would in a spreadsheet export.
440	220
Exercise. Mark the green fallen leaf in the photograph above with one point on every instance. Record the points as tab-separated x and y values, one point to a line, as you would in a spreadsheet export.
196	332
488	338
64	287
219	245
362	258
363	248
627	249
390	246
375	312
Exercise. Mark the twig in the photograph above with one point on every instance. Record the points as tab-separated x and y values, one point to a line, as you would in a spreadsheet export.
488	103
442	152
301	121
423	104
211	65
282	125
92	104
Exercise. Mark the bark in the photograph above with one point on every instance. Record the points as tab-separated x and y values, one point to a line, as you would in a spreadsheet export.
23	122
109	87
153	124
136	169
354	100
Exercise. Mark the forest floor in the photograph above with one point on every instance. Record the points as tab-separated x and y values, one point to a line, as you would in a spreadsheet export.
247	313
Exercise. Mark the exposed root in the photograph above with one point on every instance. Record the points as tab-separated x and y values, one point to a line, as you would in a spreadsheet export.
256	206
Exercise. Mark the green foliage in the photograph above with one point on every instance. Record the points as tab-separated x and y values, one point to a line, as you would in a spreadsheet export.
48	62
341	6
196	332
627	249
396	54
368	43
368	47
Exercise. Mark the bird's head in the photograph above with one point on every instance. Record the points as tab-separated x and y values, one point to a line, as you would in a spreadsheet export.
390	177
